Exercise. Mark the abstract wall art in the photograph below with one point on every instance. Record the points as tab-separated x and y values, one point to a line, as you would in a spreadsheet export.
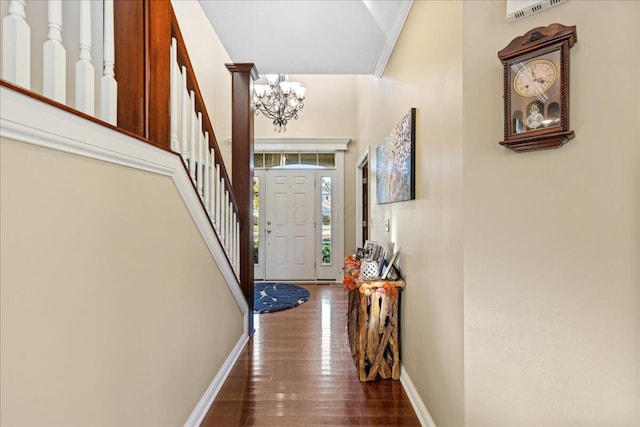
395	162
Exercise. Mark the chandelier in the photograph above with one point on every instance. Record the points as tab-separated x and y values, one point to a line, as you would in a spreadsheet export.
279	100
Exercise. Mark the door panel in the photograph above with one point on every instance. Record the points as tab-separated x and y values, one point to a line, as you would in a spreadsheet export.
290	225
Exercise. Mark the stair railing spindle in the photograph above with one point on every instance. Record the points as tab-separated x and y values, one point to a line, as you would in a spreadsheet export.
54	65
184	122
85	73
175	85
108	84
219	187
237	263
193	136
16	45
199	153
207	175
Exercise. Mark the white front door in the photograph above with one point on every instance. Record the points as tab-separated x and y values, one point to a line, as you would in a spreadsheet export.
290	225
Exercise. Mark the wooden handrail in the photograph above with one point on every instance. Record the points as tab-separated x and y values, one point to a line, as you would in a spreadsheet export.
192	84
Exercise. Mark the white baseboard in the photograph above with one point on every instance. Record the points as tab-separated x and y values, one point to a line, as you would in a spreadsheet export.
418	405
209	396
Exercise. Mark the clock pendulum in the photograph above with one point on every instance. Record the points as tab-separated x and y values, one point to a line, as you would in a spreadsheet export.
535	119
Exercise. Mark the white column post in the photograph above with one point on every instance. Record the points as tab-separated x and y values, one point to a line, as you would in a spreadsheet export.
54	72
16	45
108	84
85	73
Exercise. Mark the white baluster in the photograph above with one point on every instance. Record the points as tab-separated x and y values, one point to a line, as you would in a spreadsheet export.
175	86
193	138
218	201
54	76
222	206
199	155
85	73
206	188
223	210
223	219
184	122
234	241
228	225
238	247
108	84
16	45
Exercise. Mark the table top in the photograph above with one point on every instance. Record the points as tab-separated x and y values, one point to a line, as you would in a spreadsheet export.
400	284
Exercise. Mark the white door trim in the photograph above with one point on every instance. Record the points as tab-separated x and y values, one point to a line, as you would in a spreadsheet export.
362	161
300	144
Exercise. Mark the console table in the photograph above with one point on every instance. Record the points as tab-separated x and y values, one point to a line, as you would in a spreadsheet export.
373	329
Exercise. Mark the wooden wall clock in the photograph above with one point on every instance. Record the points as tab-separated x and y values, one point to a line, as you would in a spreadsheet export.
536	88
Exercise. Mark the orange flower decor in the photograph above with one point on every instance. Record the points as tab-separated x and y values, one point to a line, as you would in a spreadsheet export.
390	288
351	272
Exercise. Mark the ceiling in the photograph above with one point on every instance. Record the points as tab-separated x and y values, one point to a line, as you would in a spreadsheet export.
309	36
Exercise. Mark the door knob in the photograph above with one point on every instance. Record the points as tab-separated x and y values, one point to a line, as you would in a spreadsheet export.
268	231
268	222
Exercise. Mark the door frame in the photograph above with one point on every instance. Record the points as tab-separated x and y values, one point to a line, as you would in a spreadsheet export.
338	146
363	161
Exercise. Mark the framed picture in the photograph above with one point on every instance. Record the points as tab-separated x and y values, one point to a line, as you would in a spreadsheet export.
379	257
369	247
388	269
396	163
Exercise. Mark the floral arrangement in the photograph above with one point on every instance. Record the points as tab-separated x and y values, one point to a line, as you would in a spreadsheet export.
352	273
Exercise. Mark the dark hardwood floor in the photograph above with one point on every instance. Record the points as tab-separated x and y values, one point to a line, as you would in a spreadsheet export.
297	371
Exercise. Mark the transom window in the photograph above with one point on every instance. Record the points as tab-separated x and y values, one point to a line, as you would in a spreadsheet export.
294	160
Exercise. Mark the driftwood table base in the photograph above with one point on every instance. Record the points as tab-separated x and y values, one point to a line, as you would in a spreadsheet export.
374	333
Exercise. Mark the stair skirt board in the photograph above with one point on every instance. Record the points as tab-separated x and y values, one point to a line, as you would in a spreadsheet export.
28	120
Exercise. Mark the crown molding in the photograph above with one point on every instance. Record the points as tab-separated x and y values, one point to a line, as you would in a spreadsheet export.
392	38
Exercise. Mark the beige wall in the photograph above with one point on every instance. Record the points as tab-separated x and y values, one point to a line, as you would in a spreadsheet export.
425	71
113	311
552	238
329	109
522	303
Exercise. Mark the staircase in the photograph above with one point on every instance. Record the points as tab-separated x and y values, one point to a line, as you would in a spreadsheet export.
156	99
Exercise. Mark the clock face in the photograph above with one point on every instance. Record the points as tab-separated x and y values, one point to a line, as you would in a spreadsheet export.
534	77
534	88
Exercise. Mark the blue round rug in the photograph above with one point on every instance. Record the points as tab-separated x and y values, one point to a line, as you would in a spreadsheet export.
269	297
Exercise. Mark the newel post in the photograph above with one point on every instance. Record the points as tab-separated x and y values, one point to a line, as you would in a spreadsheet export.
142	35
242	76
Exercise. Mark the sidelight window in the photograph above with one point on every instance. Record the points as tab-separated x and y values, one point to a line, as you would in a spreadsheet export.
256	220
326	213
